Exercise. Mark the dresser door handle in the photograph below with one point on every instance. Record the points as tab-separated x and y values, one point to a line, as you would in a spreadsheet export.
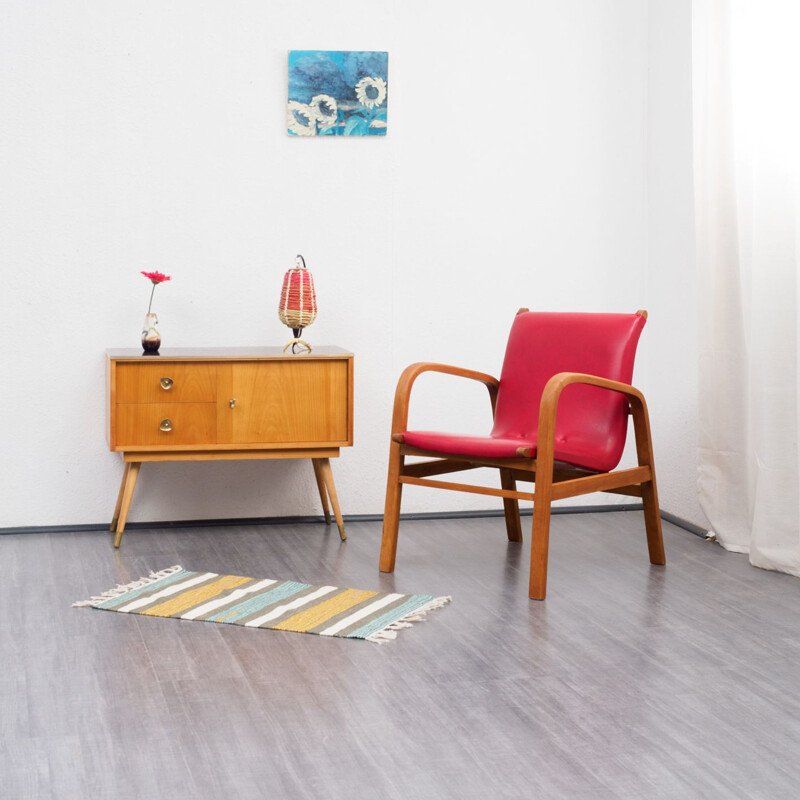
166	384
166	425
232	403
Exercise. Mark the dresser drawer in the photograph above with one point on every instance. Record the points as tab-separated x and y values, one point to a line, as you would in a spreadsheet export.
167	382
165	424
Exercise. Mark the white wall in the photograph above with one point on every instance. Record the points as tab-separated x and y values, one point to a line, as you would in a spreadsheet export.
148	135
671	382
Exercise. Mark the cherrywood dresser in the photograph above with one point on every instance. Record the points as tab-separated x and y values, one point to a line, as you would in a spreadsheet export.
229	403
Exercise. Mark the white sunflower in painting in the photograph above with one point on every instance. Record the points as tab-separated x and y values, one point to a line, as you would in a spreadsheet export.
371	92
325	108
301	119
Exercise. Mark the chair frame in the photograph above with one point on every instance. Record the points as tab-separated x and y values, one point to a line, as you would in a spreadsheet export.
553	480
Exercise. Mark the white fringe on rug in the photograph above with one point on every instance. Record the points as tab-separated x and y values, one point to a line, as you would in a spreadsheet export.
119	589
389	633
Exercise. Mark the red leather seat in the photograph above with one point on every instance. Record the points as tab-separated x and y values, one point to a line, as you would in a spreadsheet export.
587	357
459	445
592	423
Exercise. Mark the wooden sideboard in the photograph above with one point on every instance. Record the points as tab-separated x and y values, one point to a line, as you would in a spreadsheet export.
229	403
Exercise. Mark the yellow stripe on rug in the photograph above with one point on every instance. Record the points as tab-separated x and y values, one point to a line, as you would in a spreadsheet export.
306	620
191	598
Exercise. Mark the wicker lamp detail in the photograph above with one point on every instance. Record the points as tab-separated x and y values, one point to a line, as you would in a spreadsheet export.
298	306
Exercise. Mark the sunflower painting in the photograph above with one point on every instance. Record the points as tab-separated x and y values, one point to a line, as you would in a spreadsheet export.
337	93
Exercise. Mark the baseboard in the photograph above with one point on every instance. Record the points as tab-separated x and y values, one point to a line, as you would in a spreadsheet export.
215	523
685	524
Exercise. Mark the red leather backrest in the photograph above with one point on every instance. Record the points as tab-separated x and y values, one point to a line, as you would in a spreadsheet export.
590	419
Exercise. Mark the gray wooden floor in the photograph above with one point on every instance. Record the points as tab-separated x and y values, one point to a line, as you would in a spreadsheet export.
629	681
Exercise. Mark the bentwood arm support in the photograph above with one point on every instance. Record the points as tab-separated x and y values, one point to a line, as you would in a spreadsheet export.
391	514
643	476
549	404
402	394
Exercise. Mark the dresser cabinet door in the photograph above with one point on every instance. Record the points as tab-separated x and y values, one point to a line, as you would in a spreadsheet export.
283	402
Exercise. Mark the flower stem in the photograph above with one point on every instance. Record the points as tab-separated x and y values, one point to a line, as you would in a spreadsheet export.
152	292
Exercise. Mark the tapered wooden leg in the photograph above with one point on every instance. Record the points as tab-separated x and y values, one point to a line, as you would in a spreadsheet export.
391	511
323	492
119	496
127	496
511	507
327	478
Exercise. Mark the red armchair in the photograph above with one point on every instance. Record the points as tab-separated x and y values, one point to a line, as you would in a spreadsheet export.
560	412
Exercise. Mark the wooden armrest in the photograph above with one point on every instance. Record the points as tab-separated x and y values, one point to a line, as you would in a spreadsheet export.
552	392
411	373
559	382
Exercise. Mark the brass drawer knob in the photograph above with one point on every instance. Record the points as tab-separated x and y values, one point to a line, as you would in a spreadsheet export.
166	425
166	384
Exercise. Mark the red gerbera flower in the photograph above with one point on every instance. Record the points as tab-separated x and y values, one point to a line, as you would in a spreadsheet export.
156	278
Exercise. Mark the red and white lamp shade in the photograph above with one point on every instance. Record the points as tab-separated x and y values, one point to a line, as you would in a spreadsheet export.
298	306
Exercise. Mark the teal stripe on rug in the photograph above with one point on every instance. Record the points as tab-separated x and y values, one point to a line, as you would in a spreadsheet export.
414	602
254	604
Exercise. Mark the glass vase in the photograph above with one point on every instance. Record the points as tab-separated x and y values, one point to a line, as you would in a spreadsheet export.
151	338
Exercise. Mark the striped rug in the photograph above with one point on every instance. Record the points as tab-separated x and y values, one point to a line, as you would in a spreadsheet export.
265	603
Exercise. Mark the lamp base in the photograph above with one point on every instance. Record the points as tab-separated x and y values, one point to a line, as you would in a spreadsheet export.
298	345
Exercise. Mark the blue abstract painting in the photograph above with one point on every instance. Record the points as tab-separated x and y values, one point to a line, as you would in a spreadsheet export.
337	93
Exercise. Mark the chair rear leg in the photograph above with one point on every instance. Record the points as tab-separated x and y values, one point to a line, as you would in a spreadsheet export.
511	507
391	512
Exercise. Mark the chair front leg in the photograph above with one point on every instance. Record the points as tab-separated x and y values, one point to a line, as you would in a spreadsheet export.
391	512
652	523
644	452
540	536
542	495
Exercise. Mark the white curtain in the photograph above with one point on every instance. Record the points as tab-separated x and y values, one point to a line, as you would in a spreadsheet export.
746	71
